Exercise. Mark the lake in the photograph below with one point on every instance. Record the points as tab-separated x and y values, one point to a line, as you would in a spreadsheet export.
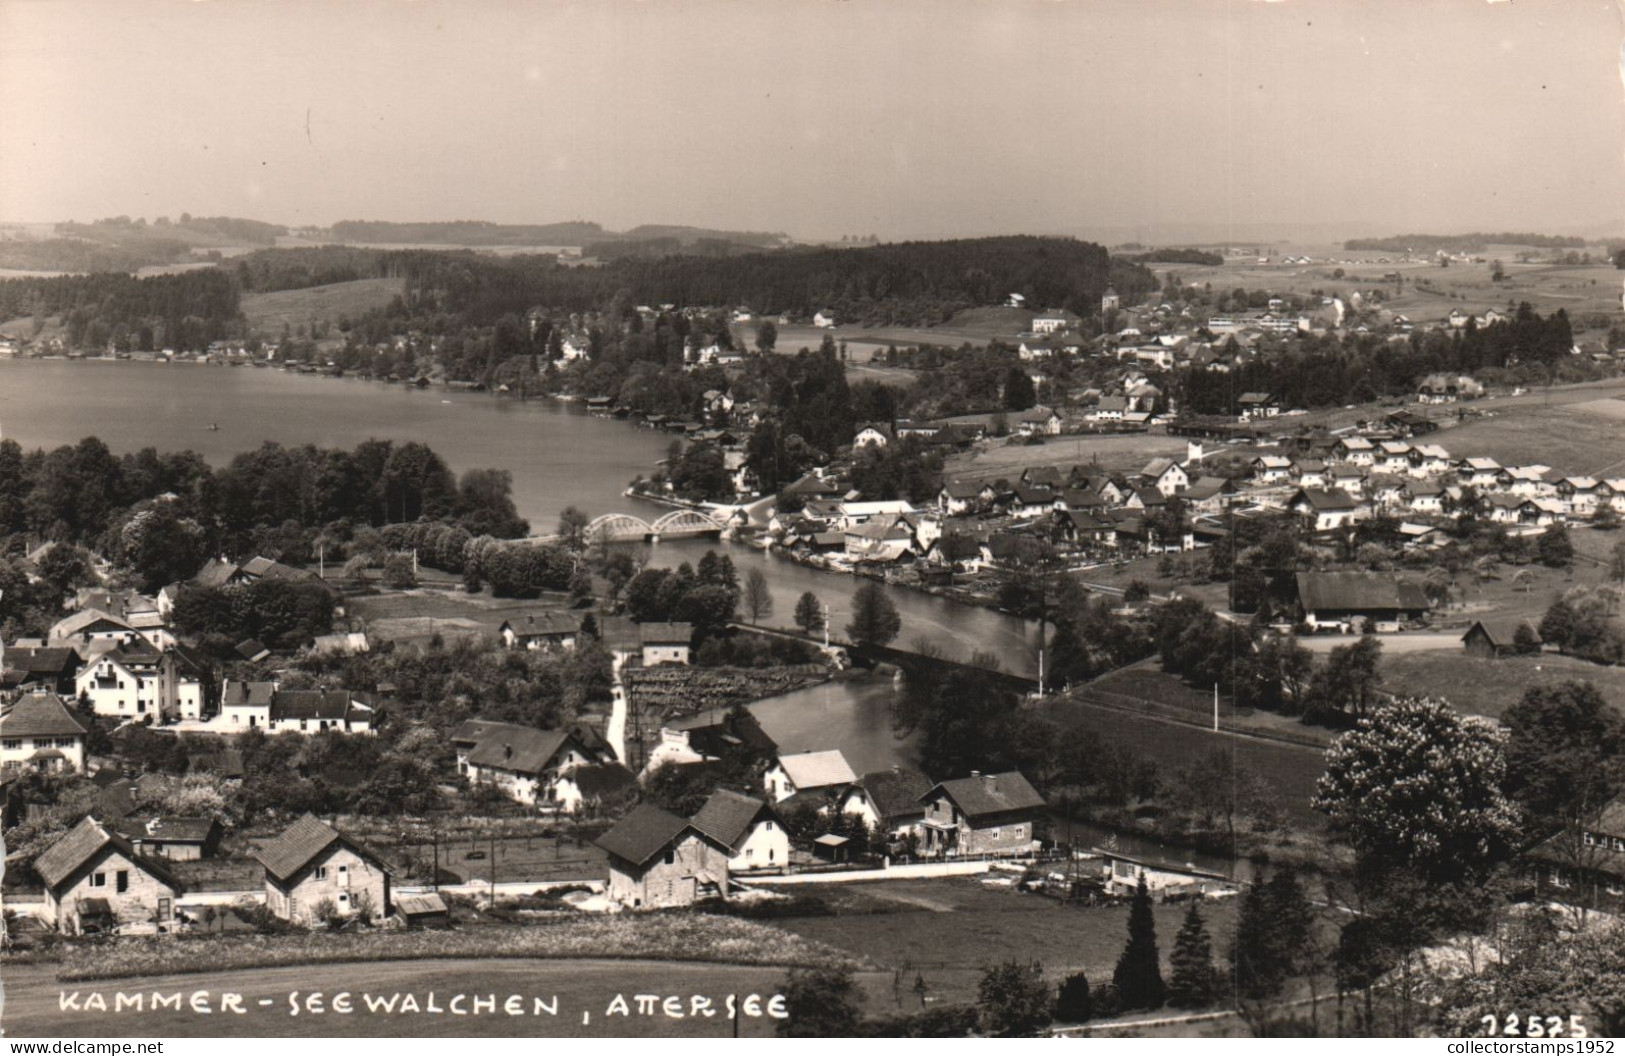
558	454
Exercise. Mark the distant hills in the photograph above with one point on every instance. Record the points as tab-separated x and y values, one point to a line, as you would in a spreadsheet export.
1474	242
571	233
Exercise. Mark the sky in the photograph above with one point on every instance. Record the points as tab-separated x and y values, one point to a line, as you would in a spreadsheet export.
821	118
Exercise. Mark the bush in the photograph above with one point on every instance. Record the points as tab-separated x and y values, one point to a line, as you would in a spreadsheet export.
1106	1001
1073	1005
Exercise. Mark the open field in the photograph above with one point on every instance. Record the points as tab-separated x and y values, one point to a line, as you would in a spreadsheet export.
1580	289
419	614
946	930
1112	452
1291	770
1214	595
1488	687
579	987
1569	436
1147	681
268	312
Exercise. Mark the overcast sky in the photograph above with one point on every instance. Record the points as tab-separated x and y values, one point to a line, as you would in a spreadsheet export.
896	117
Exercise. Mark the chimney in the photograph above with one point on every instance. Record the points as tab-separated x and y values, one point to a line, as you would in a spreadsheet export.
976	773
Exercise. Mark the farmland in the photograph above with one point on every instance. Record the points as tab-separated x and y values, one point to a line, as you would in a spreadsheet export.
1112	452
268	313
1488	687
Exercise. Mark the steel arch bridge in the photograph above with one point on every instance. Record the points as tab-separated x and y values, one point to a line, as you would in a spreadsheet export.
624	527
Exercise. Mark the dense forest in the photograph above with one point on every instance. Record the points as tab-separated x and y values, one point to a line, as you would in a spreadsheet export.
909	283
1328	371
185	311
1474	242
1174	256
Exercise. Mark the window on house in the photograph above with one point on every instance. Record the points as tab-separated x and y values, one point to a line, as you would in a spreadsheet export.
671	855
123	881
98	879
1558	879
164	908
1590	840
321	872
12	744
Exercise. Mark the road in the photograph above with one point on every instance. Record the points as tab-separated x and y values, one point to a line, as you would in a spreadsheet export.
1431	641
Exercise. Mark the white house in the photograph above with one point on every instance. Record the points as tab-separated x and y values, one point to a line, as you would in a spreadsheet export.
527	764
38	731
748	827
807	772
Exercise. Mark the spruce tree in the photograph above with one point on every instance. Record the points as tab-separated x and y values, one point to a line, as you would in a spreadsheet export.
1139	972
1192	984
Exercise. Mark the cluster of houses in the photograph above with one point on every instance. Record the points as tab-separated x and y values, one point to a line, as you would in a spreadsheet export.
105	878
657	858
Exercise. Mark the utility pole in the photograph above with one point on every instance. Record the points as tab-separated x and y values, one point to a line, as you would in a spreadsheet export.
1215	707
826	626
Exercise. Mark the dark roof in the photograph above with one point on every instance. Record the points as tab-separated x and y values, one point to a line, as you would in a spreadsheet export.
82	843
1326	499
895	793
43	661
666	633
167	830
251	649
728	816
303	841
40	715
238	693
545	624
520	749
310	704
643	833
1501	633
1356	591
735	730
987	795
604	779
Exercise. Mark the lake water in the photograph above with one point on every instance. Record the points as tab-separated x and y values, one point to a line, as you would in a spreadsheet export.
558	454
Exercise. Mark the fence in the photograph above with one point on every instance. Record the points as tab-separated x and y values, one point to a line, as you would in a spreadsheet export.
1201	718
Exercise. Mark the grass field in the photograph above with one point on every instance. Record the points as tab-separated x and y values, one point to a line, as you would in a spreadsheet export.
1291	770
419	614
946	930
268	312
579	987
1566	434
1488	687
1147	681
1119	452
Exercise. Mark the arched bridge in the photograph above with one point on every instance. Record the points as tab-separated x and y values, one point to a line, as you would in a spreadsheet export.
624	527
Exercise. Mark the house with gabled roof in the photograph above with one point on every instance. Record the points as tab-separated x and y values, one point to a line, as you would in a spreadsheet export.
550	628
96	882
1356	600
659	859
1166	475
92	625
888	801
48	667
524	762
1497	637
749	827
1324	509
37	731
981	814
807	774
312	863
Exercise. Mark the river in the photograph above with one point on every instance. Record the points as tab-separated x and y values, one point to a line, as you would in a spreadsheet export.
558	454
